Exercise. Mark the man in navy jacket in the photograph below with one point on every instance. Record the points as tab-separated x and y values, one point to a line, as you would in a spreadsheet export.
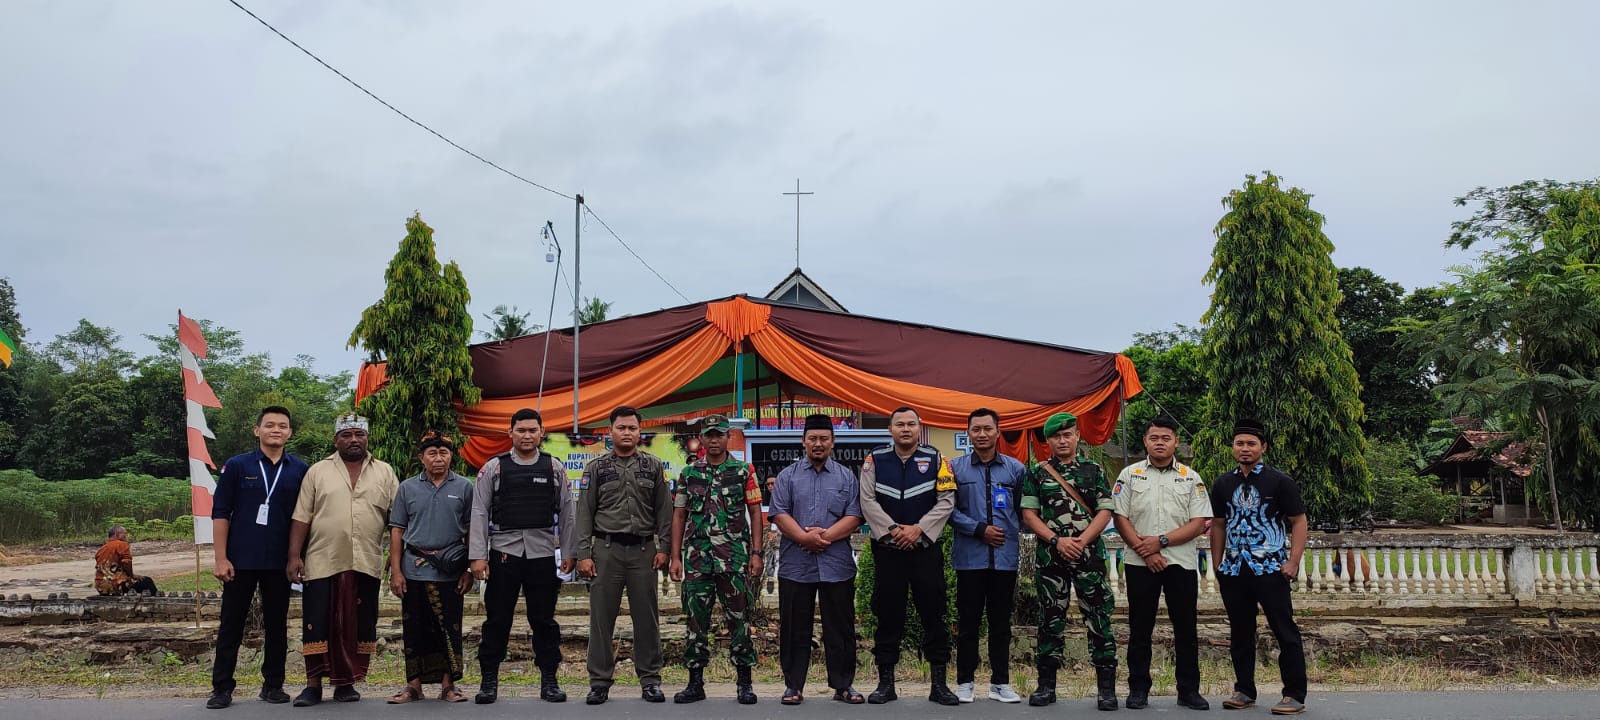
984	554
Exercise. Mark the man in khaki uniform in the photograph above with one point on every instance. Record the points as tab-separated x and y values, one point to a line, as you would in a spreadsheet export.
1161	507
336	539
624	531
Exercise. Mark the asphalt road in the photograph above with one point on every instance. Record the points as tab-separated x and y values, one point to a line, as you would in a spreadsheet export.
1324	706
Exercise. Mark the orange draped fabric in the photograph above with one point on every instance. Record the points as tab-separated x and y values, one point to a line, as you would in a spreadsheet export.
738	318
650	380
372	378
1097	412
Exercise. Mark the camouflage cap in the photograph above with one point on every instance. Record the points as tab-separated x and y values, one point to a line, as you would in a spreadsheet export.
714	423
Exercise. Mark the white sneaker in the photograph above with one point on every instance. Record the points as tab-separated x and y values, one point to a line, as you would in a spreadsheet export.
964	692
1004	693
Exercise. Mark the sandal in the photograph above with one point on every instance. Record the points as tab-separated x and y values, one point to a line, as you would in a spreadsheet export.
791	696
404	696
451	694
849	696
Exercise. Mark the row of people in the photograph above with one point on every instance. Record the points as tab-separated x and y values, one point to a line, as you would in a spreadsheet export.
328	526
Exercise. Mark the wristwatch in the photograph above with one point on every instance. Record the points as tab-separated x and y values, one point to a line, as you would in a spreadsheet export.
1164	541
1054	539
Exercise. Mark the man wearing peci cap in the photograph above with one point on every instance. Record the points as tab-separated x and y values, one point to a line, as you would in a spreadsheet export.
816	505
522	515
336	541
716	554
428	569
1066	503
1260	542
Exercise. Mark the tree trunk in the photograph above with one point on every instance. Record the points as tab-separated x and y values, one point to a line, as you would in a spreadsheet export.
1550	469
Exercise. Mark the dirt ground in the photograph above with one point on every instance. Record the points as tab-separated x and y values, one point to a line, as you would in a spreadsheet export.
47	568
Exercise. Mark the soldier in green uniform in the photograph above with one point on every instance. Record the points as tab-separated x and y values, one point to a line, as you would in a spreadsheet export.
713	553
1066	502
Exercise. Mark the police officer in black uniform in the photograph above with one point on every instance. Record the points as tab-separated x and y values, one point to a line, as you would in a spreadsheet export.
522	513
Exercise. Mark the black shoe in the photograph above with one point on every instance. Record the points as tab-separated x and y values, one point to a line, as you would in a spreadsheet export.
274	695
652	693
938	691
346	693
549	688
597	695
884	693
1105	680
1137	700
489	685
308	697
219	700
695	691
1193	700
1045	694
746	693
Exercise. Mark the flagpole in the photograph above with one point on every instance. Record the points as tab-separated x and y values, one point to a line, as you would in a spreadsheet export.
197	586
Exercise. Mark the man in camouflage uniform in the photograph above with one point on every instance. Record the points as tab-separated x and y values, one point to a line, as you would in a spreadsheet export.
713	552
1070	554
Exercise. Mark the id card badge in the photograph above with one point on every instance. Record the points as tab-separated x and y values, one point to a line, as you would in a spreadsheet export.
1002	498
261	514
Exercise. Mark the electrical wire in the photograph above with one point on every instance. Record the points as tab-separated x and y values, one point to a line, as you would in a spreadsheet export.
635	255
549	329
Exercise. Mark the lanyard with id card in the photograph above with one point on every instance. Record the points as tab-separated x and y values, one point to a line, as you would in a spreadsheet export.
1001	497
261	512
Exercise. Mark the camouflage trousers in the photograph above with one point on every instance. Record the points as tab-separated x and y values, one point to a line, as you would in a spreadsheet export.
699	595
1055	583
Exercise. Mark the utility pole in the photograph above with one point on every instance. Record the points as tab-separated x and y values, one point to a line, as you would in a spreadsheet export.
577	317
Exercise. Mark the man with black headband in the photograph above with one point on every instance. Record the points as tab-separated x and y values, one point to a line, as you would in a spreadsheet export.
1259	545
428	569
522	514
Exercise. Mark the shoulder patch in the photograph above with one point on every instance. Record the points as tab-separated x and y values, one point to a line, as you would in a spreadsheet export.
1117	489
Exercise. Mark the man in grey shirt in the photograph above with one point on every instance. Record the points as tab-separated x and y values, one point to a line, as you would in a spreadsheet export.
522	513
427	549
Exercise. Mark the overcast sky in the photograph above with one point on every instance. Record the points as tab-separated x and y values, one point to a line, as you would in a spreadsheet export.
1048	171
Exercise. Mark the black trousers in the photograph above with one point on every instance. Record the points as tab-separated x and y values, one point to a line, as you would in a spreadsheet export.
533	579
1241	595
236	595
1182	588
797	607
980	592
921	570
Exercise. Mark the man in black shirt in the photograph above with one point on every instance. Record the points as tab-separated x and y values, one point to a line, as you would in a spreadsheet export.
1256	553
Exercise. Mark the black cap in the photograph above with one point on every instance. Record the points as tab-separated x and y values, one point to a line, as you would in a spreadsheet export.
818	421
1251	427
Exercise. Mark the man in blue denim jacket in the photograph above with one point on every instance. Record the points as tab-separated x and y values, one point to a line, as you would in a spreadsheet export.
984	554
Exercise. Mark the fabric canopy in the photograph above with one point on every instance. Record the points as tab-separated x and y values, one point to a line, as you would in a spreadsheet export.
865	364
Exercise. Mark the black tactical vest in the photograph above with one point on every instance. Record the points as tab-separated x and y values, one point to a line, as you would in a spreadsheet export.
528	496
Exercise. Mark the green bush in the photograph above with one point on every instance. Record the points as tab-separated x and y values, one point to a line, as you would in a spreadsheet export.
35	510
1410	498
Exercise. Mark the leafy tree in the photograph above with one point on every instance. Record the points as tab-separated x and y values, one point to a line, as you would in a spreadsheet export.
1174	378
13	411
1273	350
1395	387
1519	336
594	310
505	324
421	327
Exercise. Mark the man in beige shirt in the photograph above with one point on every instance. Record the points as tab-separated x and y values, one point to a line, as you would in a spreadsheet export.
336	542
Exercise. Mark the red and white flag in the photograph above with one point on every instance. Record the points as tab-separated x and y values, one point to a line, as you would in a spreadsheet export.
196	396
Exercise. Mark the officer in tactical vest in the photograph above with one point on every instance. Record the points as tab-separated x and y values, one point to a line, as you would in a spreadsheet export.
716	556
522	513
1066	503
624	532
907	494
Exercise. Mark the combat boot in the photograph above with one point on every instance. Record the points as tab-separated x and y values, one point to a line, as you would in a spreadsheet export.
937	691
1045	694
885	691
1105	680
695	691
746	691
549	687
489	686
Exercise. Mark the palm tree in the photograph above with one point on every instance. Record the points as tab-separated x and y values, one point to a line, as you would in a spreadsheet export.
594	310
506	324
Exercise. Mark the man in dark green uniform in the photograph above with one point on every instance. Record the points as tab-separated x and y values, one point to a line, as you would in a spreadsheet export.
624	531
713	552
1066	502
